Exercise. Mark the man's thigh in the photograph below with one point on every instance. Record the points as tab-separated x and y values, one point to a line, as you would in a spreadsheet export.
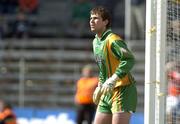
103	118
121	118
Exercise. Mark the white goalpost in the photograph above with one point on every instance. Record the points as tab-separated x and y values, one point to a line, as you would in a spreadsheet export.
155	83
160	101
150	63
162	48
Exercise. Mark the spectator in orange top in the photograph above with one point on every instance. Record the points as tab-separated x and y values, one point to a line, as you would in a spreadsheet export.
173	74
83	98
7	115
174	86
173	98
29	6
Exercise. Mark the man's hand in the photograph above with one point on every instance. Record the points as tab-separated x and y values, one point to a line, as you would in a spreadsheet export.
109	84
97	95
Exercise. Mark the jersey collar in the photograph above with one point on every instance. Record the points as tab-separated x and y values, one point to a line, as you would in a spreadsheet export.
105	34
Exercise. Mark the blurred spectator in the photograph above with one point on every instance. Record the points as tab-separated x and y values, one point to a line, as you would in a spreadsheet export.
20	26
137	19
173	98
83	98
29	6
8	6
173	73
7	115
80	17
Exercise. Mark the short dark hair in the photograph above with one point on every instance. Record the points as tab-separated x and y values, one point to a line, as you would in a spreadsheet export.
104	13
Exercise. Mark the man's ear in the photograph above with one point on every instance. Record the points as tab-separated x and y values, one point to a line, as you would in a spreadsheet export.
106	22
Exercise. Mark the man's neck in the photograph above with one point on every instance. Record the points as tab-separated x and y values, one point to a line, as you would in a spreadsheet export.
100	33
103	34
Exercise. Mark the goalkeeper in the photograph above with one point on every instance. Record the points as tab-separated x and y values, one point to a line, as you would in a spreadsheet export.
116	94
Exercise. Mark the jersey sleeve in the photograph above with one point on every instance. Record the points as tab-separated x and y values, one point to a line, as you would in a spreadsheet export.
124	55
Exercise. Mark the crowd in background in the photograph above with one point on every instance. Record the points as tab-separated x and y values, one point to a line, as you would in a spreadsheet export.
14	17
20	11
13	6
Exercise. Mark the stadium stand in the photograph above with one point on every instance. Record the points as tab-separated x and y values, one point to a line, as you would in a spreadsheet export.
42	72
48	23
138	47
49	69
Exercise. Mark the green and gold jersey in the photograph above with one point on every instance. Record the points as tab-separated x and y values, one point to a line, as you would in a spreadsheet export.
113	56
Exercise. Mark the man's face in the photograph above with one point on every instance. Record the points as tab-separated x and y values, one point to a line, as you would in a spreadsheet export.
97	25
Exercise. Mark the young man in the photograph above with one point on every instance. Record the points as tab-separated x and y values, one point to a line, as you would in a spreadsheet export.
116	94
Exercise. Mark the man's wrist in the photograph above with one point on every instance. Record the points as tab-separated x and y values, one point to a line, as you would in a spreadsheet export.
114	77
99	84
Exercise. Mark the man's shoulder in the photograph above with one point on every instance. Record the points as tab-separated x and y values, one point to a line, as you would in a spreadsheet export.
114	37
